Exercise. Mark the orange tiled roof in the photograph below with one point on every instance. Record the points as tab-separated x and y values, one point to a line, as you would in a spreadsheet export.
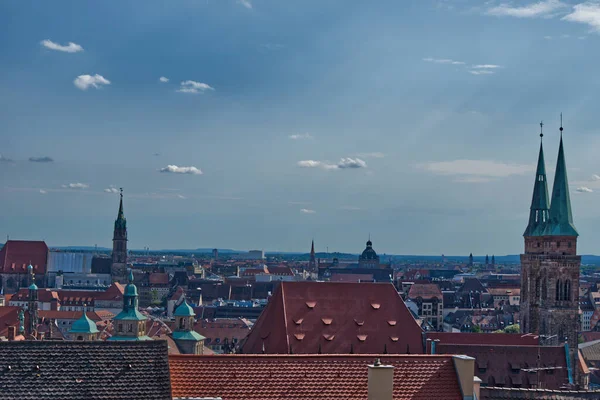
16	255
295	377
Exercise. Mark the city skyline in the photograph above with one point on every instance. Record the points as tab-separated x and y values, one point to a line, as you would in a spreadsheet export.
256	125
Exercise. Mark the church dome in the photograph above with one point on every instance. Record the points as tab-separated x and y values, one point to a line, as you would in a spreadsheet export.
184	310
84	325
369	253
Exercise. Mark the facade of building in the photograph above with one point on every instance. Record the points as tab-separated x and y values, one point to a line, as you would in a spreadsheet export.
430	305
550	264
119	253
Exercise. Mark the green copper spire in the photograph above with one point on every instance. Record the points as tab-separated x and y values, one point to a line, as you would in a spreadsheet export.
121	222
538	212
561	219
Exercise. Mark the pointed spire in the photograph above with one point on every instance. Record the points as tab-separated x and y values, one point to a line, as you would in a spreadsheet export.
538	212
312	248
121	222
561	218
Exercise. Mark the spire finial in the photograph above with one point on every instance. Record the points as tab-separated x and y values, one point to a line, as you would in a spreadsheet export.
121	190
561	127
541	129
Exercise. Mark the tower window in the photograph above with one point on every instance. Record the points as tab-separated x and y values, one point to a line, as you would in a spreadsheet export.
557	244
569	244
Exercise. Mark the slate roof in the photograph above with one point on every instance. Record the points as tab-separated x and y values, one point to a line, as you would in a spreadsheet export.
335	318
16	255
309	377
84	370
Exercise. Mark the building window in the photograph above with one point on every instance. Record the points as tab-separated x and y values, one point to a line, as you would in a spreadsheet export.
557	244
129	327
120	329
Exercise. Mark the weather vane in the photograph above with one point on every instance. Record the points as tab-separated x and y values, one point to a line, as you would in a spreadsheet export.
541	129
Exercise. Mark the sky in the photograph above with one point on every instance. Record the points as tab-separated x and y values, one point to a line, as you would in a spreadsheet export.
262	124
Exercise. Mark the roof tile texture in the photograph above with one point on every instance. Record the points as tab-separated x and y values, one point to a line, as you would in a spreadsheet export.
84	370
304	377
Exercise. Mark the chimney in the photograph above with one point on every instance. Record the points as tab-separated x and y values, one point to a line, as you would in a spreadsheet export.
381	381
12	332
465	372
477	387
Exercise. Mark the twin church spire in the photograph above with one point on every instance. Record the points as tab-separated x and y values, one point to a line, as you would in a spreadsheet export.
552	218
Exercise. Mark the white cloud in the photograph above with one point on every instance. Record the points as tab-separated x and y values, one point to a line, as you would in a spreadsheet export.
163	79
595	177
301	136
4	159
193	87
42	191
69	48
245	3
180	196
444	61
307	211
481	72
174	169
344	163
584	189
272	46
544	8
474	171
548	37
351	163
374	154
83	82
111	189
586	13
486	66
76	186
309	163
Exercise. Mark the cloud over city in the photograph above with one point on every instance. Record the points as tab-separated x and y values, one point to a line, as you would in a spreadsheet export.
68	48
193	87
307	211
78	186
301	136
174	169
344	163
84	82
540	9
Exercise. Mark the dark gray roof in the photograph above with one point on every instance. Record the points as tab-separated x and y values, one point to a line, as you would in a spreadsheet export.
84	370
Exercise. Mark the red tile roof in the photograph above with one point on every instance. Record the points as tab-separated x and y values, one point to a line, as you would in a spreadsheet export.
304	377
232	329
74	315
424	291
503	365
281	271
158	278
507	339
335	318
16	255
9	316
44	295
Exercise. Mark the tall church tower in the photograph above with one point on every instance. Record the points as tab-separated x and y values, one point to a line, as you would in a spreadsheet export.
550	264
119	253
312	264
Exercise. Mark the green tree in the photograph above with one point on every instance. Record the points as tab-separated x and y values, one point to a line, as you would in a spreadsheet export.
476	329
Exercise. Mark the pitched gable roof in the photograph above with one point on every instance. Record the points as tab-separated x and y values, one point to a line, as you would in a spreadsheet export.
304	377
335	318
16	255
425	291
84	370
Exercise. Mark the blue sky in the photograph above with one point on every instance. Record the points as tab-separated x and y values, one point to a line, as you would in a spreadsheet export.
414	121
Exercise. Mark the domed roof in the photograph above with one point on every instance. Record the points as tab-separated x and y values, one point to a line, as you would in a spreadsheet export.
33	286
369	253
84	325
184	310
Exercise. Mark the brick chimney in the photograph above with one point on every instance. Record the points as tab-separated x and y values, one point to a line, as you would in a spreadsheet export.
12	332
381	381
